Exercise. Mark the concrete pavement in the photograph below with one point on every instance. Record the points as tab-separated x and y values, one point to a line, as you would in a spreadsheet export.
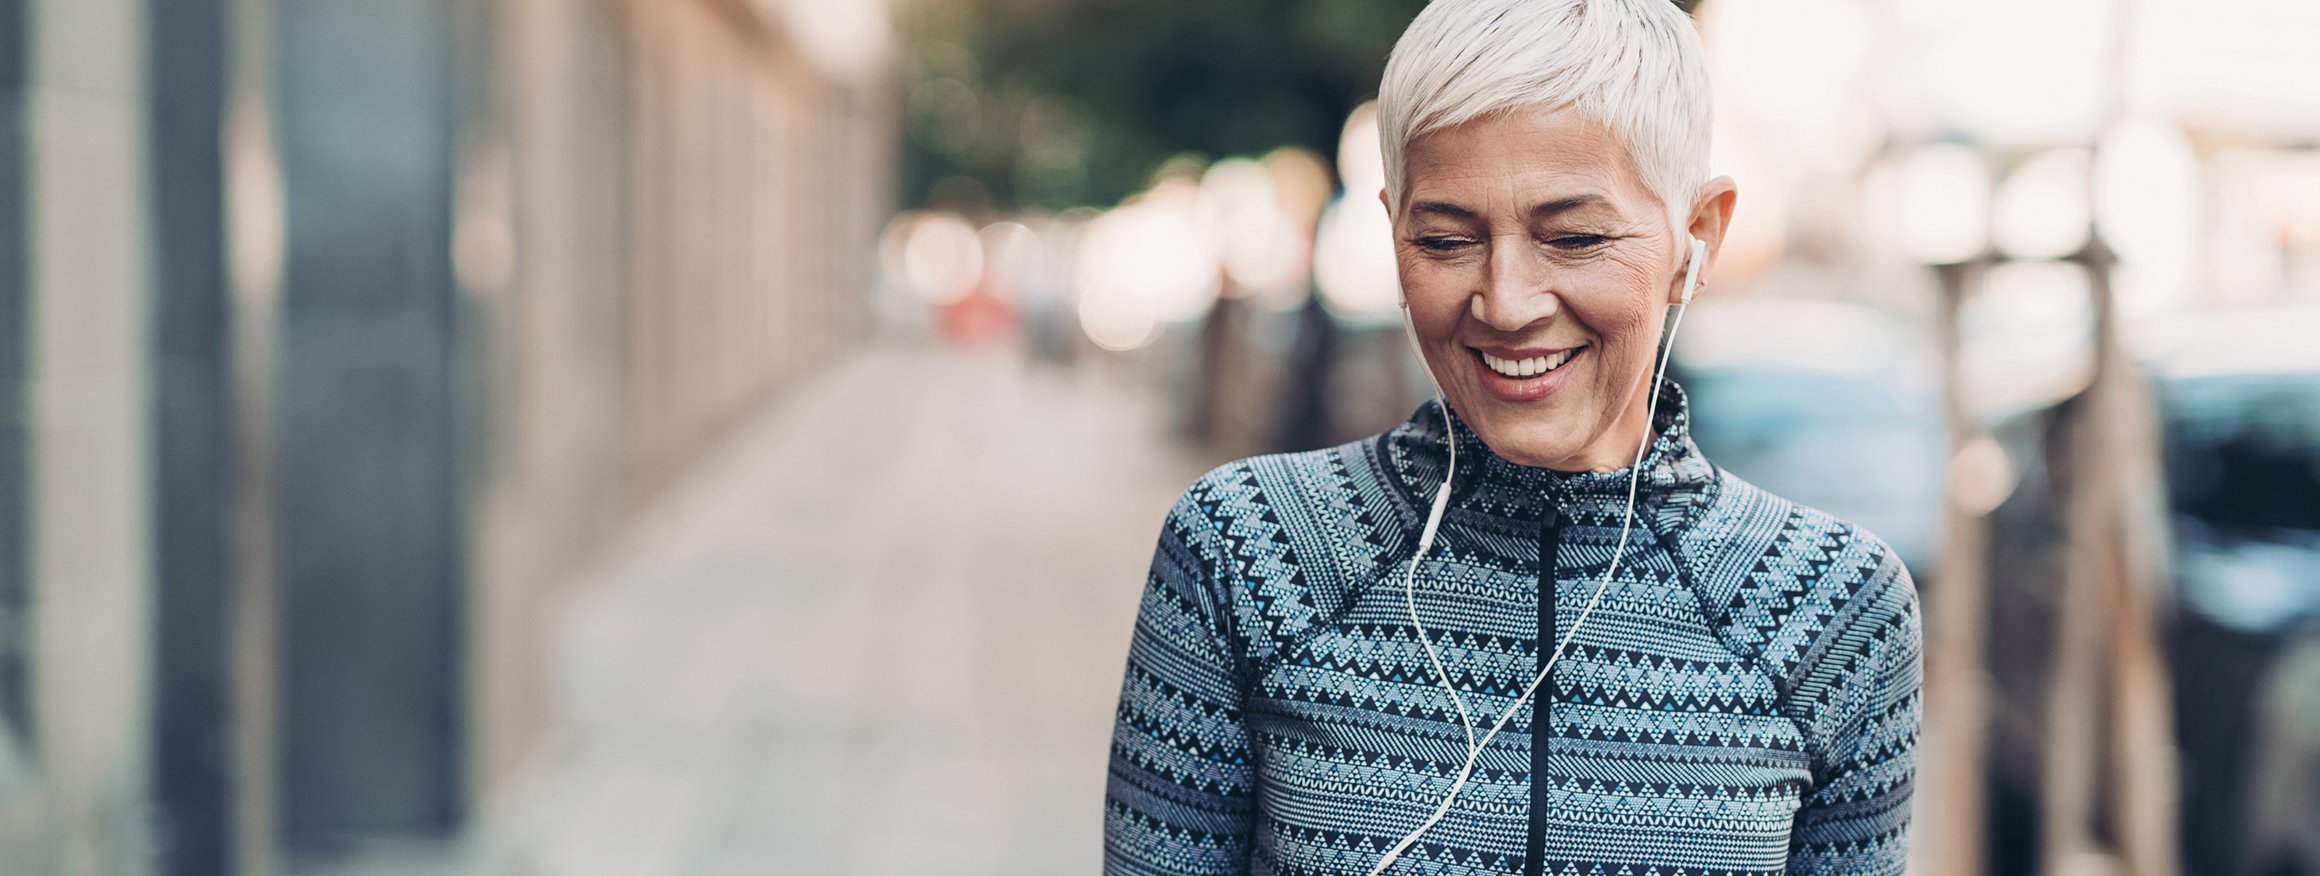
881	633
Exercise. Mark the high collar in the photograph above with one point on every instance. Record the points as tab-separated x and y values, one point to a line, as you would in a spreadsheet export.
1674	472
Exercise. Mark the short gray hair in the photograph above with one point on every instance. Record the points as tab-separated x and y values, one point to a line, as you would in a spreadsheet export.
1634	66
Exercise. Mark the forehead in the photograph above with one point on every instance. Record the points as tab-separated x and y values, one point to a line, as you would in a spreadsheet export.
1527	155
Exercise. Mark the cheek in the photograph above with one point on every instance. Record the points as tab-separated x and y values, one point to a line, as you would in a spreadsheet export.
1430	277
1436	295
1618	315
1435	321
1621	308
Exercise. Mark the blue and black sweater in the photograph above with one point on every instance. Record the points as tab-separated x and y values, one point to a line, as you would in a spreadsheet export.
1744	700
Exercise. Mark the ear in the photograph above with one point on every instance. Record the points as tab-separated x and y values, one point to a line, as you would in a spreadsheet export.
1389	205
1711	217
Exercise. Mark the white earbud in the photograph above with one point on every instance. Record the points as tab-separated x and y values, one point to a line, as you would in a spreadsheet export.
1475	748
1692	270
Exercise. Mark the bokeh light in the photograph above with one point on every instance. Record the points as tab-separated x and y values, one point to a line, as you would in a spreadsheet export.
1936	200
1149	261
2029	337
1012	254
942	257
2042	210
1243	214
1353	253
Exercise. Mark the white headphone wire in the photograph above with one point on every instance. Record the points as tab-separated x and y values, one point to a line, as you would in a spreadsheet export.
1433	520
1426	536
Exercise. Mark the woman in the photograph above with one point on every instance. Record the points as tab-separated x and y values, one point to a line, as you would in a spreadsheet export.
1691	675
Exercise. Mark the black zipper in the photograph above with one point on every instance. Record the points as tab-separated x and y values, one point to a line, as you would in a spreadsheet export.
1542	706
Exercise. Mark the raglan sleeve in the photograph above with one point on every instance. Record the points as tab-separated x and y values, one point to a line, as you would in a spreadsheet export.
1178	800
1855	818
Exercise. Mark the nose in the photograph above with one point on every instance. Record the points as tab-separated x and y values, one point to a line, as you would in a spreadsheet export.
1517	287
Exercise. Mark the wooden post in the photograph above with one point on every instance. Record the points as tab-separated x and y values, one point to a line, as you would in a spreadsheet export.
2142	780
1950	841
2109	725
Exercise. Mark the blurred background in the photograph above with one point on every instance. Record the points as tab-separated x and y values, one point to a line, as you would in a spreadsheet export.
727	436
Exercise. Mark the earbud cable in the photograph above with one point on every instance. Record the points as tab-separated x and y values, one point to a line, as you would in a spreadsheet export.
1426	540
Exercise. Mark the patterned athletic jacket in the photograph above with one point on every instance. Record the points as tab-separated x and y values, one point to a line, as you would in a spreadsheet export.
1744	700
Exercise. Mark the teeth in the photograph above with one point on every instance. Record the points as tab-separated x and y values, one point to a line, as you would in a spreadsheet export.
1531	367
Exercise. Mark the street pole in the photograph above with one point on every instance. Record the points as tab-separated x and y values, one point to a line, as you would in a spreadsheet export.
1956	687
2109	725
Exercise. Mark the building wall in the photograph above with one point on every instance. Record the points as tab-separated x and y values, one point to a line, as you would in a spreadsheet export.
194	476
370	524
688	210
279	548
85	467
16	776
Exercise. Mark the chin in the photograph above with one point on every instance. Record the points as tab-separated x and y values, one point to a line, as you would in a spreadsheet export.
1533	441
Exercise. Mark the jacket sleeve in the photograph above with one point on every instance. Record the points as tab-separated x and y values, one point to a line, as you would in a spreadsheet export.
1855	818
1179	797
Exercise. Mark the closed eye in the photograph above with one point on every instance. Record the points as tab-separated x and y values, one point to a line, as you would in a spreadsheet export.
1578	242
1443	244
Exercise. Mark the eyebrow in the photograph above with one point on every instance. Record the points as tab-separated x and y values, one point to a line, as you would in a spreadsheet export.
1547	208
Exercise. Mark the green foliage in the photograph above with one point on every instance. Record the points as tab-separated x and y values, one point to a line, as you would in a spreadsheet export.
1077	101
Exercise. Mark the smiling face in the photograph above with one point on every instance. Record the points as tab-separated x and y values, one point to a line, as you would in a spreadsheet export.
1538	267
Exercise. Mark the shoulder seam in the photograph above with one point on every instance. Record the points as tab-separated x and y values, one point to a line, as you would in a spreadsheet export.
1718	618
1348	455
1865	607
1753	659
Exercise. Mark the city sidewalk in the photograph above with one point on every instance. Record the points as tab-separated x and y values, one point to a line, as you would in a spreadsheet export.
882	633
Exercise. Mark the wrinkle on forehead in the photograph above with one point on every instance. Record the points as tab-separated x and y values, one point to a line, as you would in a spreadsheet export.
1509	165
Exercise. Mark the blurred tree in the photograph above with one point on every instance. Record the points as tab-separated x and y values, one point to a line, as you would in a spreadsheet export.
1054	103
1051	103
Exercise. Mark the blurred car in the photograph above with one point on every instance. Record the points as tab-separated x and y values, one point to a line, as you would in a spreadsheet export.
2239	399
1830	404
2284	827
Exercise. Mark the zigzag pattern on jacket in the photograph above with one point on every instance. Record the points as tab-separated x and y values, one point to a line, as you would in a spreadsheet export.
1744	700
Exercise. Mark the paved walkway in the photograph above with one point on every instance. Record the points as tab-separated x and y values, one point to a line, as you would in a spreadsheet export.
881	635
